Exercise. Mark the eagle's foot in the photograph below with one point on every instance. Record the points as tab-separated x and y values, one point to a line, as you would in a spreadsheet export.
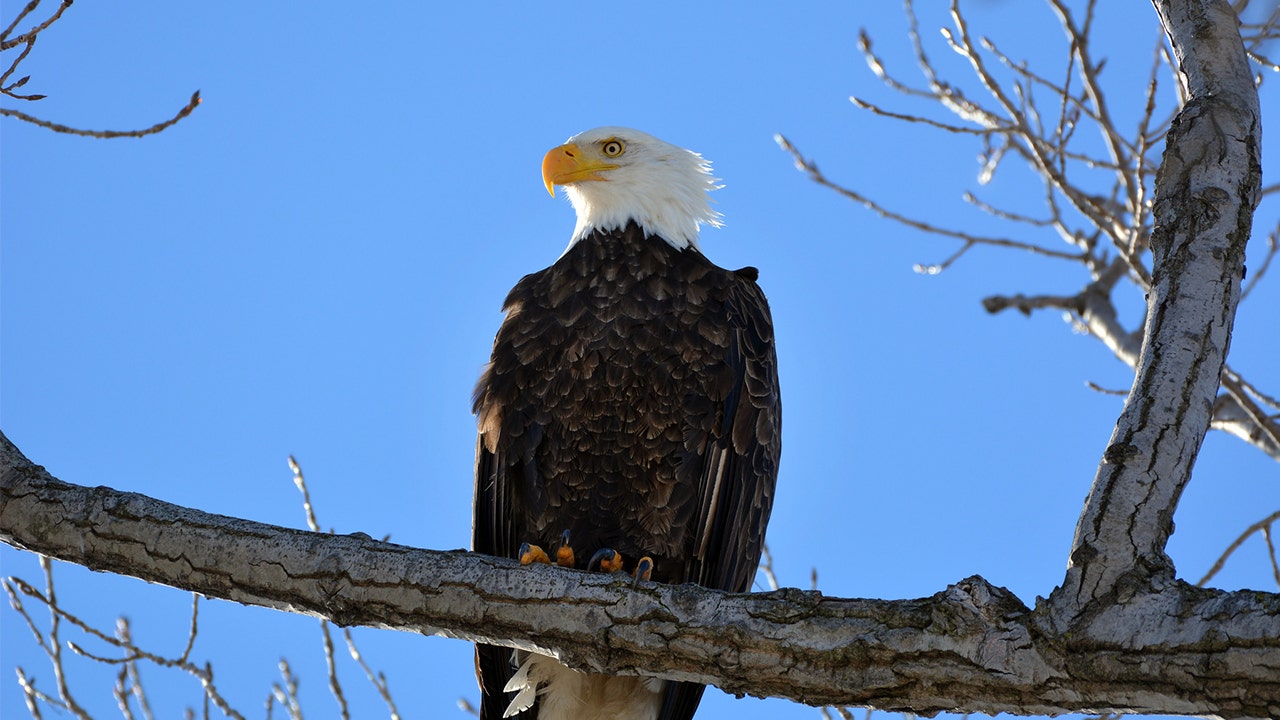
605	560
530	553
644	570
564	553
610	560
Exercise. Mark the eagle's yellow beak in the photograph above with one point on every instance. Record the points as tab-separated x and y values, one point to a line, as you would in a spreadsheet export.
569	164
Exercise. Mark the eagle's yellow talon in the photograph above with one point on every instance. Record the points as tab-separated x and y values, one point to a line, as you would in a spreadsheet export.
564	553
532	553
606	560
644	569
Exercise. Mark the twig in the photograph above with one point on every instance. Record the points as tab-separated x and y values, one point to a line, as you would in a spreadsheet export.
1026	304
1263	526
130	670
1105	391
300	482
1062	92
1273	244
58	127
331	666
950	97
958	129
1035	147
1240	392
29	39
811	169
1004	214
5	44
1089	76
878	69
1254	392
379	681
287	695
191	633
25	12
936	268
1257	34
13	67
55	643
1138	211
121	693
132	652
34	697
766	568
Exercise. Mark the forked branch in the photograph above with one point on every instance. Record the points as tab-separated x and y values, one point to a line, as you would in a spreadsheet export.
27	41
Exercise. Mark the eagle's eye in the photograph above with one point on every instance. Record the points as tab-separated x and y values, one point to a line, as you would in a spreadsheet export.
612	148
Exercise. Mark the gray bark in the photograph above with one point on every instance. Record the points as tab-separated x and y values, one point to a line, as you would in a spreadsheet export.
1121	635
972	647
1206	189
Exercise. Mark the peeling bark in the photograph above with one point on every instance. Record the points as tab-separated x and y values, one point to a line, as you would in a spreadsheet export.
1122	635
970	648
1206	190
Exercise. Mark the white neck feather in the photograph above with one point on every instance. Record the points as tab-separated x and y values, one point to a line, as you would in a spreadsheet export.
664	189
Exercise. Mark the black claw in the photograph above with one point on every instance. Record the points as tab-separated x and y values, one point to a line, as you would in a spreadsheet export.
605	560
532	554
644	571
565	556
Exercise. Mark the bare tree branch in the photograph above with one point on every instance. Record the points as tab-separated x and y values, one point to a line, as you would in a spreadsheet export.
1122	634
809	167
1121	217
1263	526
28	40
30	35
971	645
1260	270
58	127
15	587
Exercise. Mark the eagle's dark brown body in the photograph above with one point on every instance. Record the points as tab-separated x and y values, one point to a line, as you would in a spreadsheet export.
632	399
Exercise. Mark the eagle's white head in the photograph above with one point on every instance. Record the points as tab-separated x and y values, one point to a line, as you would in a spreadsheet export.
616	174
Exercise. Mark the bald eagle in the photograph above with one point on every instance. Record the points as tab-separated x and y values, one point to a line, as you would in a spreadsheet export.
630	408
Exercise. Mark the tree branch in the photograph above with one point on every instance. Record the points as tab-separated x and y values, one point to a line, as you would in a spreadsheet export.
28	40
811	169
972	646
107	134
1016	127
1206	190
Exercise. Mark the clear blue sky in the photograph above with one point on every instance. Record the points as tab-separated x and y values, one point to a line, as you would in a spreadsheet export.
313	263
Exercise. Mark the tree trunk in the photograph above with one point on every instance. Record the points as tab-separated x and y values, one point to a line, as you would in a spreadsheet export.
1121	635
1206	190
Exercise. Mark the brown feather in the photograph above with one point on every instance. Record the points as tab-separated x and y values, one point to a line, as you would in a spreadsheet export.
632	399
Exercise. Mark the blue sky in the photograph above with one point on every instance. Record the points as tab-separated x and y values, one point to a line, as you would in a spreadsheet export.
314	262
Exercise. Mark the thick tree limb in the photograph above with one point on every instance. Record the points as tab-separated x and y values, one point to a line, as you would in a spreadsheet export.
972	647
1206	190
1121	635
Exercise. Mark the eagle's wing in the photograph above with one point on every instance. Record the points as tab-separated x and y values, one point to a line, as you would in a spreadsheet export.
501	508
493	534
739	467
732	475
